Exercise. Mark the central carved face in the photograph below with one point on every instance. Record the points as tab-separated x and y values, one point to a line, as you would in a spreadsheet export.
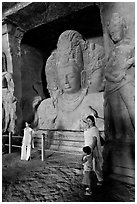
70	80
116	32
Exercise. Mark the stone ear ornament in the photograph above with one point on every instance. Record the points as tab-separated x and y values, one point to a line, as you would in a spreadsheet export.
83	79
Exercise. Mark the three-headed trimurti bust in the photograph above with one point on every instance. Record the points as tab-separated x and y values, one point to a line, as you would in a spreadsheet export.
70	100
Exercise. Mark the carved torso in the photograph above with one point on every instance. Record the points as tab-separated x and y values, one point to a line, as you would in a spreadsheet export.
67	119
69	116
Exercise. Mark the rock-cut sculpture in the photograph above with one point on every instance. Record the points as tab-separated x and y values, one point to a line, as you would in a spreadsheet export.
68	74
8	99
119	86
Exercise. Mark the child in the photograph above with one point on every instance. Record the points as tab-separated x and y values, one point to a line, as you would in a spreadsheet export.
89	177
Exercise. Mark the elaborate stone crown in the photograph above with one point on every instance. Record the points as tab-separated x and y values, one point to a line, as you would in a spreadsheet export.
70	50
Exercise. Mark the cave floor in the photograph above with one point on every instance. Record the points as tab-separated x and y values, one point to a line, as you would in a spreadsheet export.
57	179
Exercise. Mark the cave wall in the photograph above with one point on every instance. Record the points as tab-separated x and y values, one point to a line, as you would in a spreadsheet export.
11	47
31	77
6	47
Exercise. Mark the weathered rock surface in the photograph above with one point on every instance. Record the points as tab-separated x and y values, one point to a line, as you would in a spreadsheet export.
54	180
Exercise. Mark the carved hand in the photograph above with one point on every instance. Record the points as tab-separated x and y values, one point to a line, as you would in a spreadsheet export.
130	62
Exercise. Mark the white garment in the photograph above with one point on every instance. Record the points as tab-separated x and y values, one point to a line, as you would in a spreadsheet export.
97	155
26	143
25	152
28	132
89	134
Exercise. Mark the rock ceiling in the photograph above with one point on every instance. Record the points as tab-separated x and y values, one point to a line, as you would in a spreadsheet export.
32	14
44	21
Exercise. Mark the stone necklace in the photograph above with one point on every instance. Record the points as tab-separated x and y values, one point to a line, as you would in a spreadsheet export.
70	103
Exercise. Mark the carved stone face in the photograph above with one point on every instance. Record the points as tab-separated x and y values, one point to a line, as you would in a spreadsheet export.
69	79
116	32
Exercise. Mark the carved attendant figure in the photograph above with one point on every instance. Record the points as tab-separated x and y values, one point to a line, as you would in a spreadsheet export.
119	88
8	99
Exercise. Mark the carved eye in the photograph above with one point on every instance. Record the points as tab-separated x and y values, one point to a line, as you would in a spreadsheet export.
71	77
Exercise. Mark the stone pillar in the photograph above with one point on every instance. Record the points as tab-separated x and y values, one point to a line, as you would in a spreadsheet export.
119	150
11	40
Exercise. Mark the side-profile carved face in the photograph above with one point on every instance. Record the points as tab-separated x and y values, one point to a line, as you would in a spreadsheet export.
116	27
69	79
116	32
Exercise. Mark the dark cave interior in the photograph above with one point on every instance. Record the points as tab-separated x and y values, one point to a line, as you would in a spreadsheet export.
44	37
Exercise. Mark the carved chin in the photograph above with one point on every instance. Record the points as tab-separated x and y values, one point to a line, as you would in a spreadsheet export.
116	38
69	90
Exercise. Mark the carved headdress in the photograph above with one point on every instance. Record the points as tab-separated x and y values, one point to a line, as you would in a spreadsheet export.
69	52
72	50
